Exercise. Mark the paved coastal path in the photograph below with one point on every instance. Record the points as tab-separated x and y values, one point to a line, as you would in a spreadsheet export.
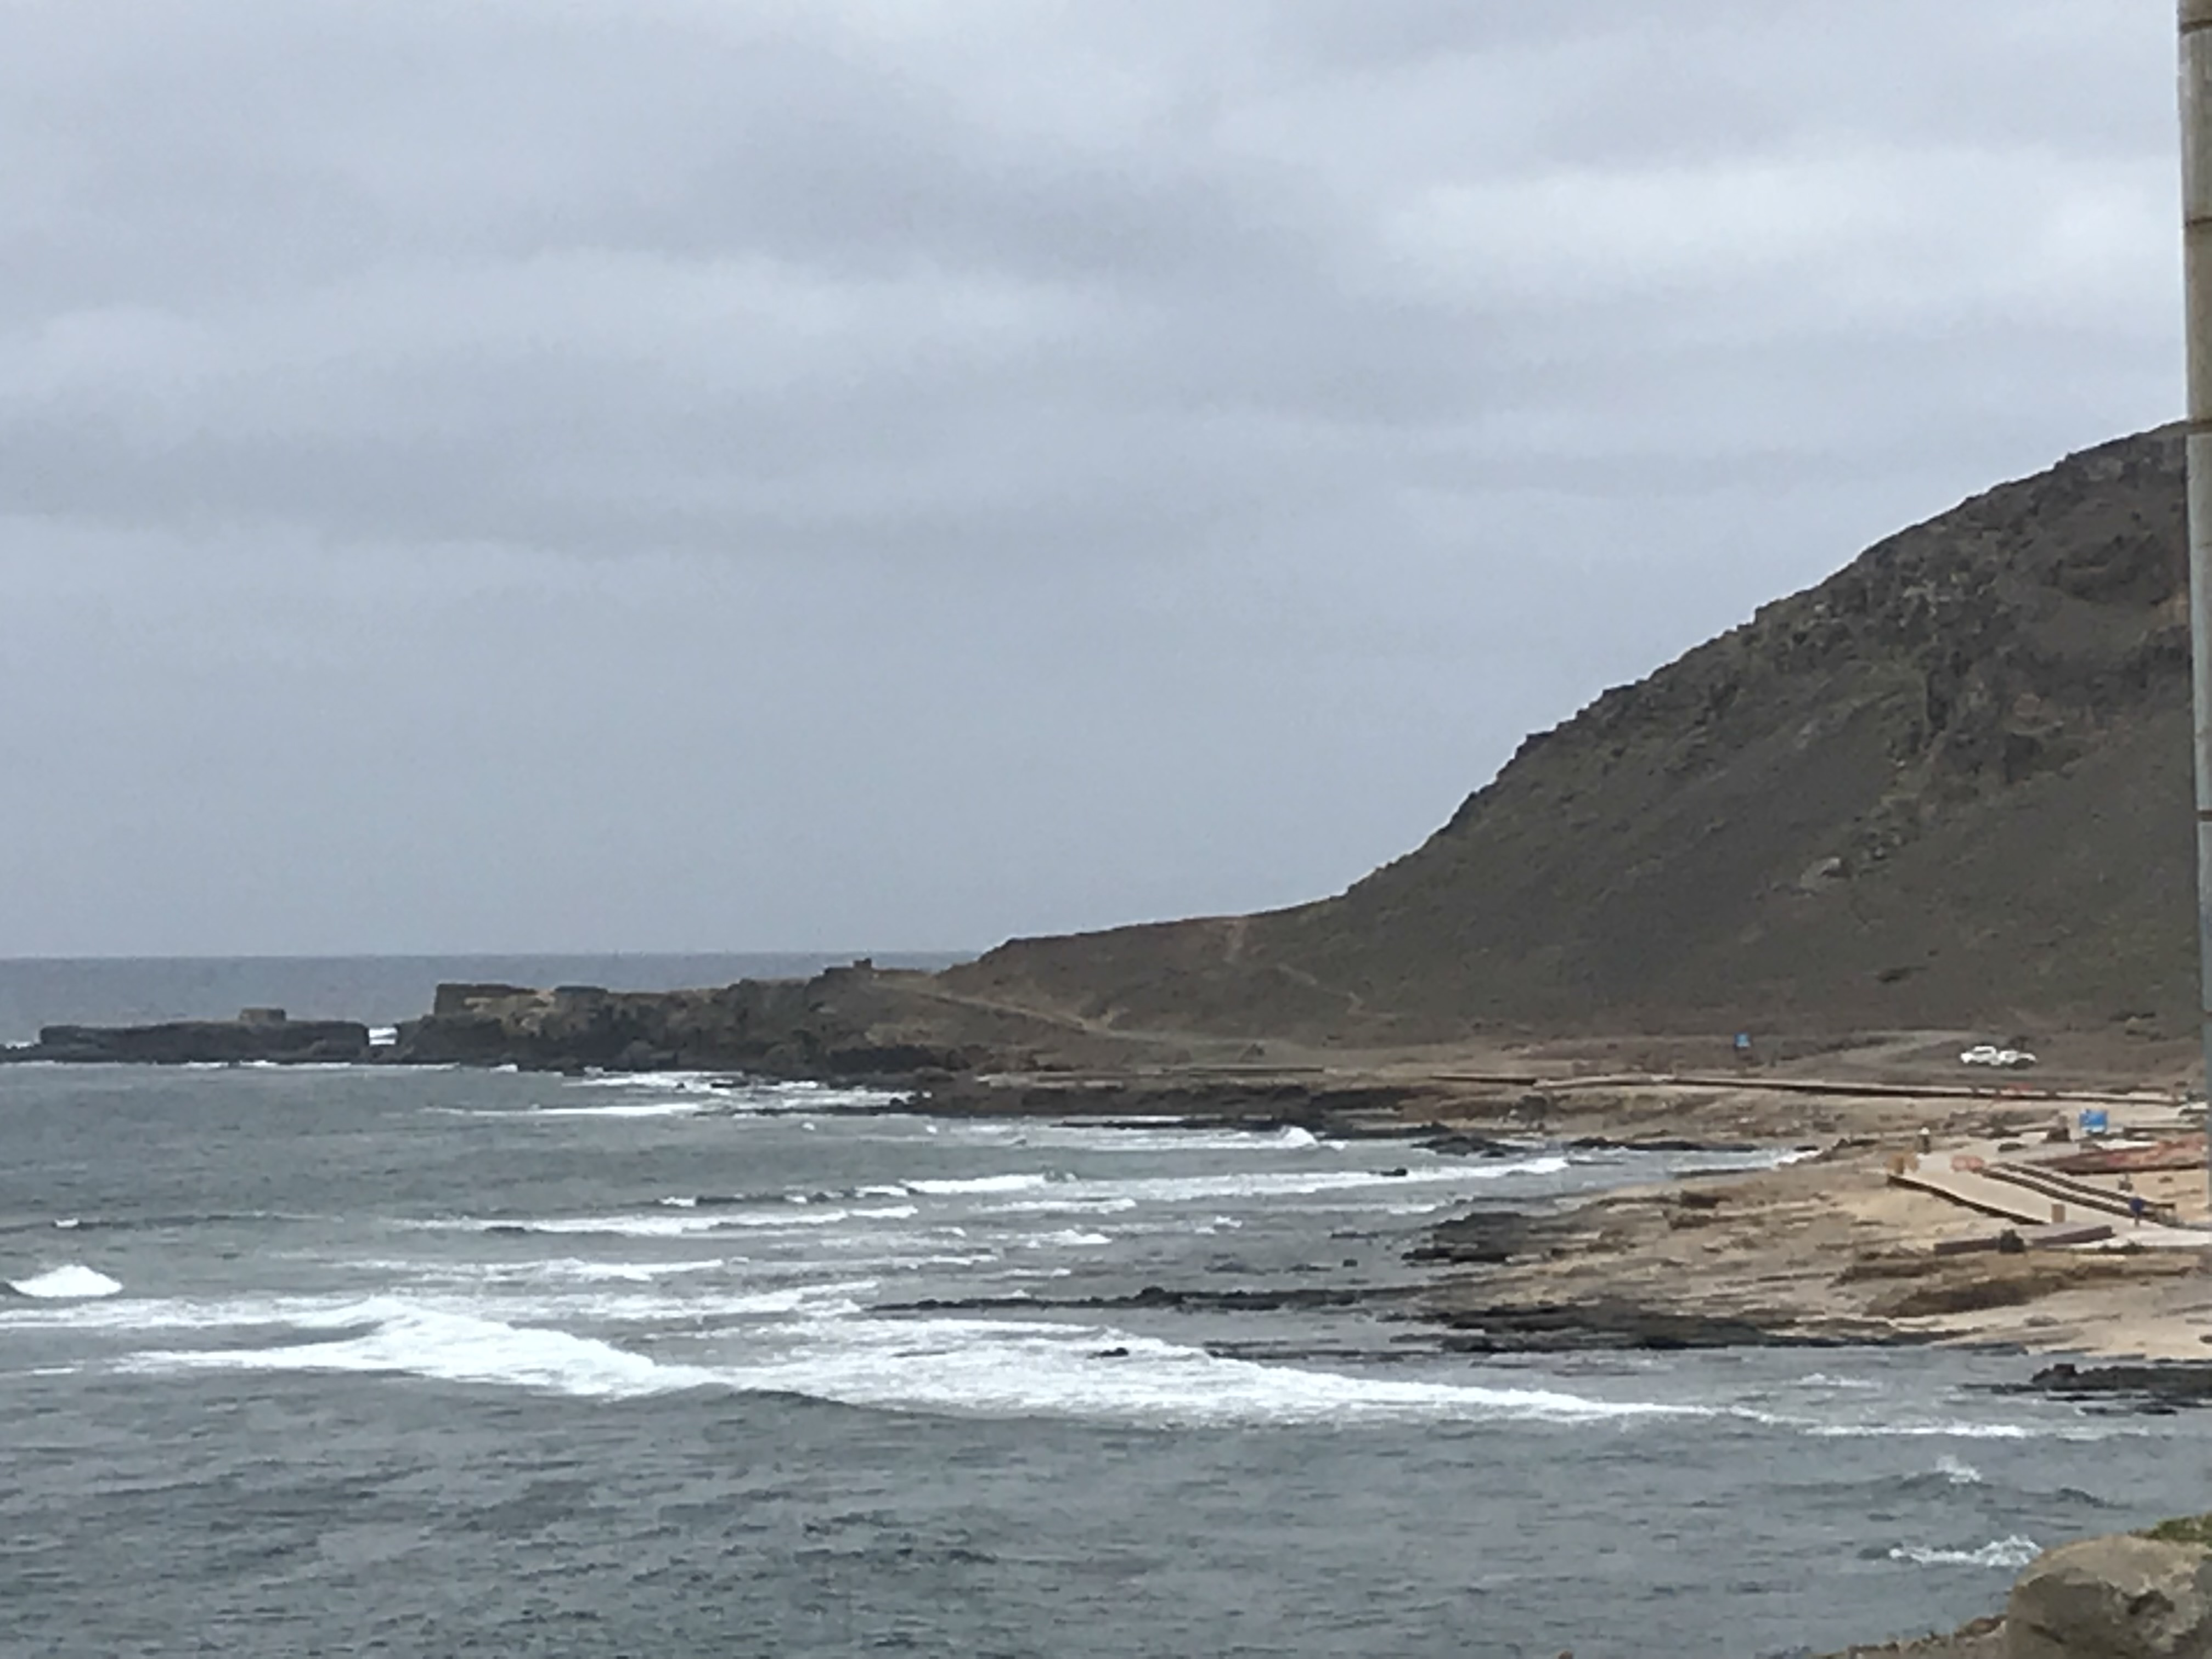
1960	1174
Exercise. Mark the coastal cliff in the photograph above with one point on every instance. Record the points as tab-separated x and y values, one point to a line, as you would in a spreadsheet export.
1949	786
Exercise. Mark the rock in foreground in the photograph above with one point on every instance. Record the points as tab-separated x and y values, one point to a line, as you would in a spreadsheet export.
2113	1598
2132	1596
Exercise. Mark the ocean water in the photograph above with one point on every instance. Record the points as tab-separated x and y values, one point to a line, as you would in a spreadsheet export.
439	1362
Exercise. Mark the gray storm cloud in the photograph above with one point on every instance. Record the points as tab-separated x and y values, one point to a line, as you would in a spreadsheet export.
740	475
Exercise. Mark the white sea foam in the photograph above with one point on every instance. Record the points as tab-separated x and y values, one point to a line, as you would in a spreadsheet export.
1149	1137
819	1343
522	1324
621	1227
1062	1206
1952	1431
1308	1183
2011	1553
1954	1428
832	1300
71	1282
819	1096
997	1183
689	1108
1254	1184
1958	1471
704	1081
994	1368
451	1348
675	1221
556	1270
772	1220
571	1269
145	1315
738	1094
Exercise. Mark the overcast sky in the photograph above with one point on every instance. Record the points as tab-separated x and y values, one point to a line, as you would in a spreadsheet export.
671	474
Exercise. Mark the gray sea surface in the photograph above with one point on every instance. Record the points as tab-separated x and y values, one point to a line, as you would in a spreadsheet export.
421	1362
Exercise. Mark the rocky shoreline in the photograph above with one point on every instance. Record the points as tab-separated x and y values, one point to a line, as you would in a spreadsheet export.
1819	1248
1823	1249
264	1035
779	1028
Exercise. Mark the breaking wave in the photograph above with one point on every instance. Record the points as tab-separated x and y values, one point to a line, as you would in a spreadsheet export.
735	1094
678	1219
996	1183
948	1366
688	1108
2011	1553
70	1282
387	1335
992	1368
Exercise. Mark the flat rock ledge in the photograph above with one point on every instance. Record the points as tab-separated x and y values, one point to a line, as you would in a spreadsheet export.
201	1042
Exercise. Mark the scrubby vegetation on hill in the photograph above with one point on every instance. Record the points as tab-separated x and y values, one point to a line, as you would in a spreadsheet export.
1949	786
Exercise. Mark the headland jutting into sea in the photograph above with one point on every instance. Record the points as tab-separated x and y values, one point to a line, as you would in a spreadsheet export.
1768	897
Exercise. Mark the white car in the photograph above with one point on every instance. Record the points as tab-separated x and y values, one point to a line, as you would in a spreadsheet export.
1988	1054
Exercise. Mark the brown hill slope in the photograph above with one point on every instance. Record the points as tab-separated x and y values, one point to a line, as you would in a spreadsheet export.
1949	786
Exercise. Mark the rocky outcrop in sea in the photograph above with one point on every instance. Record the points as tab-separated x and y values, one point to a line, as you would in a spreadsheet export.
256	1034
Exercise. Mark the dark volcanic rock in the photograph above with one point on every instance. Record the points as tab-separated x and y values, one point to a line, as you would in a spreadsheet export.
1562	1327
843	1023
1483	1238
2166	1386
1458	1144
1167	1298
1656	1144
202	1041
1949	783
